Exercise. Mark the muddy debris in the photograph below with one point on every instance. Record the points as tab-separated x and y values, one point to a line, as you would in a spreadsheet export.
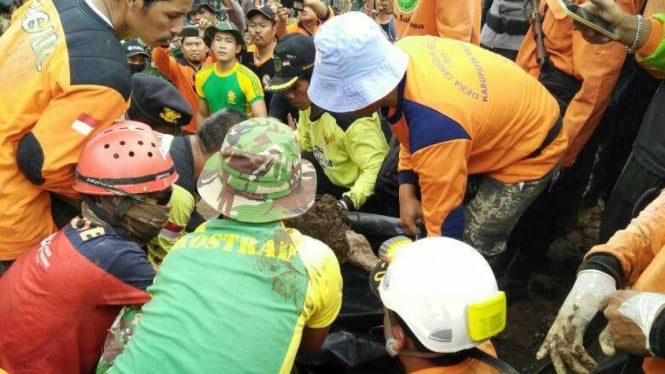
327	222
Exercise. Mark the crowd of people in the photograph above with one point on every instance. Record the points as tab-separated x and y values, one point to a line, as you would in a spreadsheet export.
152	152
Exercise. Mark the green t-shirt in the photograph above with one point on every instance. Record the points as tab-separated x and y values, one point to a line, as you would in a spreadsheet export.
237	88
234	298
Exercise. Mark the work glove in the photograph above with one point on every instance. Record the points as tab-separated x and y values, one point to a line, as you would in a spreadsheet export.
563	342
345	203
630	316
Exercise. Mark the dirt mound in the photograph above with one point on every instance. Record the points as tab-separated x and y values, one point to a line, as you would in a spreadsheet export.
325	221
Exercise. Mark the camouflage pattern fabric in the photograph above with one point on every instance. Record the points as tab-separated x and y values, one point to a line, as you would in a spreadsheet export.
210	31
491	215
119	335
258	175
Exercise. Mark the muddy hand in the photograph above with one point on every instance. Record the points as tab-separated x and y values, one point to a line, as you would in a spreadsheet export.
564	341
360	251
630	316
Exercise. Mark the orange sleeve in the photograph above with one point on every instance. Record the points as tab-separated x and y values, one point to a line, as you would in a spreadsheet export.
165	63
636	245
442	174
64	126
598	67
404	159
459	20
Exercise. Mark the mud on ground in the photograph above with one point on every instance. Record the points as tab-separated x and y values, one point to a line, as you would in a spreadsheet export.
532	308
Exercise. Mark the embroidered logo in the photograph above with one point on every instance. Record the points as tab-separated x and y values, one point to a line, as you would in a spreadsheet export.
407	6
231	97
169	115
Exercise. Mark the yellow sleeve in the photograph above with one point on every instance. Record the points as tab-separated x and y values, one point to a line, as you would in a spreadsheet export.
199	80
324	294
182	206
303	131
250	84
367	148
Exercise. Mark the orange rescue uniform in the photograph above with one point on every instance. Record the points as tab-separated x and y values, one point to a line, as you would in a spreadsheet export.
596	66
639	249
455	19
462	111
65	79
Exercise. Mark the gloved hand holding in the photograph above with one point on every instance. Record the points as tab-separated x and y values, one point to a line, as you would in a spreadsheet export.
345	203
563	342
630	315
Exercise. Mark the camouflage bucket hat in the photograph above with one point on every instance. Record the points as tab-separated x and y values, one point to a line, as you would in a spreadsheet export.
258	175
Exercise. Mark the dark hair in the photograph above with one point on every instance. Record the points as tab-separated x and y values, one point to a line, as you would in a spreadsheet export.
407	331
213	130
149	3
307	75
444	360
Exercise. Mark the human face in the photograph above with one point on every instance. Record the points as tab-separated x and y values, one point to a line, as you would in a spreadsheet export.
139	59
385	6
203	13
307	15
159	23
261	30
297	94
225	47
193	49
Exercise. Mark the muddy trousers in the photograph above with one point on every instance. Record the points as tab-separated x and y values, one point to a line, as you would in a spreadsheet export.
493	212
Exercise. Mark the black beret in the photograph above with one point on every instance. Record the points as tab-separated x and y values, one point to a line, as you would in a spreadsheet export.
157	102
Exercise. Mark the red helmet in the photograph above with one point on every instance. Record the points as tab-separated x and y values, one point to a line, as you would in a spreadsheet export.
126	157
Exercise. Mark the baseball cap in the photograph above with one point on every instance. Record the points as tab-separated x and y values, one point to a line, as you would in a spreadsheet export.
355	64
223	26
445	291
293	56
133	47
157	102
258	175
265	11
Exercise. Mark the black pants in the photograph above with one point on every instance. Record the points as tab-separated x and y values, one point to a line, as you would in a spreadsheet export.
635	188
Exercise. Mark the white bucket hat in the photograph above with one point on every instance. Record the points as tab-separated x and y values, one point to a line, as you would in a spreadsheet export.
355	64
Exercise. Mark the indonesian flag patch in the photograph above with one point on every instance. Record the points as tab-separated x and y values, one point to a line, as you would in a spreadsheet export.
84	124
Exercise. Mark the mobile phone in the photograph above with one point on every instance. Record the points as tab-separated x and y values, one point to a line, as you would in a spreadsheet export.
293	4
589	19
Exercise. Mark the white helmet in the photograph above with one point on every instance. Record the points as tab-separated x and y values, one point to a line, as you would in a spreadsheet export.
446	293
